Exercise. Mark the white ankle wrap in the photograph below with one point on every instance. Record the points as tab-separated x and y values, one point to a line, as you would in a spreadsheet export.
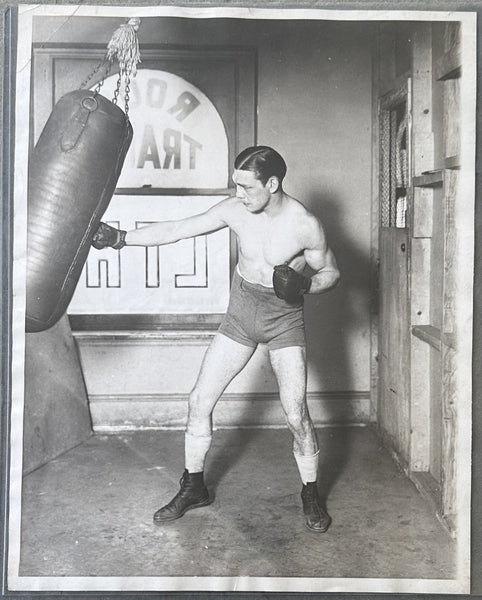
195	449
307	466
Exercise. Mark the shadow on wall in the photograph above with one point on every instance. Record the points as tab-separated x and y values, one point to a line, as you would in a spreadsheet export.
335	321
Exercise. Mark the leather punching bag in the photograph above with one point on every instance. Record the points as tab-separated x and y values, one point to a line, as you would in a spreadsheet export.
73	173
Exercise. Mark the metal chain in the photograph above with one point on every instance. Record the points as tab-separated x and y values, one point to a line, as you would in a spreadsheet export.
118	84
117	89
104	76
127	92
96	69
89	77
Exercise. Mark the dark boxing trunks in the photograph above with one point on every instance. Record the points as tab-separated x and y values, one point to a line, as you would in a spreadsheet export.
256	315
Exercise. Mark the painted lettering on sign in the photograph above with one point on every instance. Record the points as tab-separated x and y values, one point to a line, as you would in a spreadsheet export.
179	137
173	144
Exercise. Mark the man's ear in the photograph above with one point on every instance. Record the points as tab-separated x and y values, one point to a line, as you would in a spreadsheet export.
273	184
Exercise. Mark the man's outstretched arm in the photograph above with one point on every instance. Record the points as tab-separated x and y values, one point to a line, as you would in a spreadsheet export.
164	232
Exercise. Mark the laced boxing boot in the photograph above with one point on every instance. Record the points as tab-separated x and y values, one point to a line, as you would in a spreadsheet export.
317	519
193	494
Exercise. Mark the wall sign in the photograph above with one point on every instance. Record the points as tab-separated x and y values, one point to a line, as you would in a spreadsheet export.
179	137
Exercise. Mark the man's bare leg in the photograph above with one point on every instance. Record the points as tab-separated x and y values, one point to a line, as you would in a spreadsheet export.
223	360
289	366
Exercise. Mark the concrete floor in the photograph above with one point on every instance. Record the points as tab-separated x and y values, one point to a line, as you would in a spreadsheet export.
89	512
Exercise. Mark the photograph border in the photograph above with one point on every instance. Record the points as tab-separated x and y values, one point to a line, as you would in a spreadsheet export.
10	326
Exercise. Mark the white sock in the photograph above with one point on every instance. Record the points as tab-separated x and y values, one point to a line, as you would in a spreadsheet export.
307	466
195	449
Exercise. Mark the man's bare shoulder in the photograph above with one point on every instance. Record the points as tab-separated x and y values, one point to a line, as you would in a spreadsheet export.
230	210
228	206
309	227
225	210
307	223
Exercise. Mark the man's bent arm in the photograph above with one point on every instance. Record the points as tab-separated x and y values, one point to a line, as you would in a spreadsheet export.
327	276
322	260
168	232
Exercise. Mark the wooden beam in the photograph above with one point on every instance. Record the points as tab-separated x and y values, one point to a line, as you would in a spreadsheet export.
429	334
422	134
449	387
429	179
449	65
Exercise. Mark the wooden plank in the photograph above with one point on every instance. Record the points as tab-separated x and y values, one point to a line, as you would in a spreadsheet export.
448	66
452	162
422	214
451	119
420	281
449	388
450	63
420	383
422	134
394	403
429	179
419	406
428	334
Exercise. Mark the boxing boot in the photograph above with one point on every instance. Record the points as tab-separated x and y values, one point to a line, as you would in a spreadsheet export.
193	494
317	519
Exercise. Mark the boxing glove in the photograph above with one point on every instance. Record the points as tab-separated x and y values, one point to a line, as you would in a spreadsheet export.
288	284
108	237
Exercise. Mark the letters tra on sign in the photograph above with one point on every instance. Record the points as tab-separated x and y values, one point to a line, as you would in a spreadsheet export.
179	137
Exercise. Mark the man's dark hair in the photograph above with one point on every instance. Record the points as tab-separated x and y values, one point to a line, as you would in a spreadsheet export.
263	161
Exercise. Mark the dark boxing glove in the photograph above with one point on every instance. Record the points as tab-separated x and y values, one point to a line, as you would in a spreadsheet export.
288	284
108	237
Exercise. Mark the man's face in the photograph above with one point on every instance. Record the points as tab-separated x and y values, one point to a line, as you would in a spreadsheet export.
251	191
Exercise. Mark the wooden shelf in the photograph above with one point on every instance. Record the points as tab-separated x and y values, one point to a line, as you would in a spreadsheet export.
433	336
452	162
429	179
449	66
428	334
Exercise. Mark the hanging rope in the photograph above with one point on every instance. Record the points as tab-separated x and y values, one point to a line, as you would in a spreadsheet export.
123	48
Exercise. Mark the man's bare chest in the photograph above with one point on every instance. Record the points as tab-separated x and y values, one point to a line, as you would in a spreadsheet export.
272	242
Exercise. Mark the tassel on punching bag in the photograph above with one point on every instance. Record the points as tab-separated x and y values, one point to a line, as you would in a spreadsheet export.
73	173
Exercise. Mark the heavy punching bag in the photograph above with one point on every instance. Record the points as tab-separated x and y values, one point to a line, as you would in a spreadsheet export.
73	173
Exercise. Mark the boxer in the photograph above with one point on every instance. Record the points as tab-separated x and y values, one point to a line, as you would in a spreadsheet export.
277	238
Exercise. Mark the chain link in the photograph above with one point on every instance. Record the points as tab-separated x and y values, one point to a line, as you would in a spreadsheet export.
104	76
89	77
127	94
117	89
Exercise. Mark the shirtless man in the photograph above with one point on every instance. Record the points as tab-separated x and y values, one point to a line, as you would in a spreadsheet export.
277	239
